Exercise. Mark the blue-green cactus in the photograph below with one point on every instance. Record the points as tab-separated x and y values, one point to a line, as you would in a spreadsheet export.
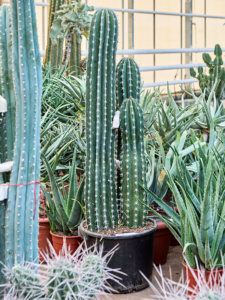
100	192
133	164
22	210
6	86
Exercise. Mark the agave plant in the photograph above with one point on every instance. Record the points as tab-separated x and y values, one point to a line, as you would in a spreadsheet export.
63	94
64	211
199	225
149	106
159	161
171	119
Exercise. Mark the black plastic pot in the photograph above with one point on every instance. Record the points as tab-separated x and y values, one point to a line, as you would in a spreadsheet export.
135	254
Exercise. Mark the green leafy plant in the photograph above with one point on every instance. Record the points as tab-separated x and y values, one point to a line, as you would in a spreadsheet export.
64	211
199	225
170	119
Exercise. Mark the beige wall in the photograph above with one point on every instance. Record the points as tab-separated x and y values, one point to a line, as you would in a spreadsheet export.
168	32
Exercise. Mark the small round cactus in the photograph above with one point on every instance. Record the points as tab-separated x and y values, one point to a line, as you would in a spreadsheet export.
23	282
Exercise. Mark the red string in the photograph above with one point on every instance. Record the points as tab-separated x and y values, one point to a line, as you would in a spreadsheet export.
43	202
34	182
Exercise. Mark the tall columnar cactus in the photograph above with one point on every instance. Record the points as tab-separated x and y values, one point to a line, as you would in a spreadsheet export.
54	52
22	210
101	207
133	164
7	134
128	85
128	81
74	65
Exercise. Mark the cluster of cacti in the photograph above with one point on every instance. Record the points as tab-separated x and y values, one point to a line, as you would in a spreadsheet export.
133	164
102	208
82	281
79	276
7	122
71	22
216	72
21	223
54	51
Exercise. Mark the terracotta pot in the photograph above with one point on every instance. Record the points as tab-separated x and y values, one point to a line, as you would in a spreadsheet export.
161	244
173	241
213	277
43	237
73	242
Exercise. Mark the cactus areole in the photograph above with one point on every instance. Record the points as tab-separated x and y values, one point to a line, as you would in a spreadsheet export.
105	209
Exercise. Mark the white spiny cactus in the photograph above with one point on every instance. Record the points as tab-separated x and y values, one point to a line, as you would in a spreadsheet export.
80	276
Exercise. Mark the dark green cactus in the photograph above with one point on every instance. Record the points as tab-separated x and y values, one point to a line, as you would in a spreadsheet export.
100	193
133	164
128	81
216	72
128	85
22	209
6	86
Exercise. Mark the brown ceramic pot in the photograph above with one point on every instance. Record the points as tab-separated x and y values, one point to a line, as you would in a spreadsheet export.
43	237
72	242
161	244
213	277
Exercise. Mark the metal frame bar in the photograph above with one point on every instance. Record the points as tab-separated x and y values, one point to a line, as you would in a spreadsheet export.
160	51
161	13
152	51
156	84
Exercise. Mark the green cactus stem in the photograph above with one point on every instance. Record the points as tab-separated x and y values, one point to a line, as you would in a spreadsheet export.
6	86
128	85
21	220
100	192
133	164
75	65
54	52
128	81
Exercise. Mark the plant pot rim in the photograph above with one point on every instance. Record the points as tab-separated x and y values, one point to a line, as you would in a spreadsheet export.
161	225
64	236
207	271
43	220
116	237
